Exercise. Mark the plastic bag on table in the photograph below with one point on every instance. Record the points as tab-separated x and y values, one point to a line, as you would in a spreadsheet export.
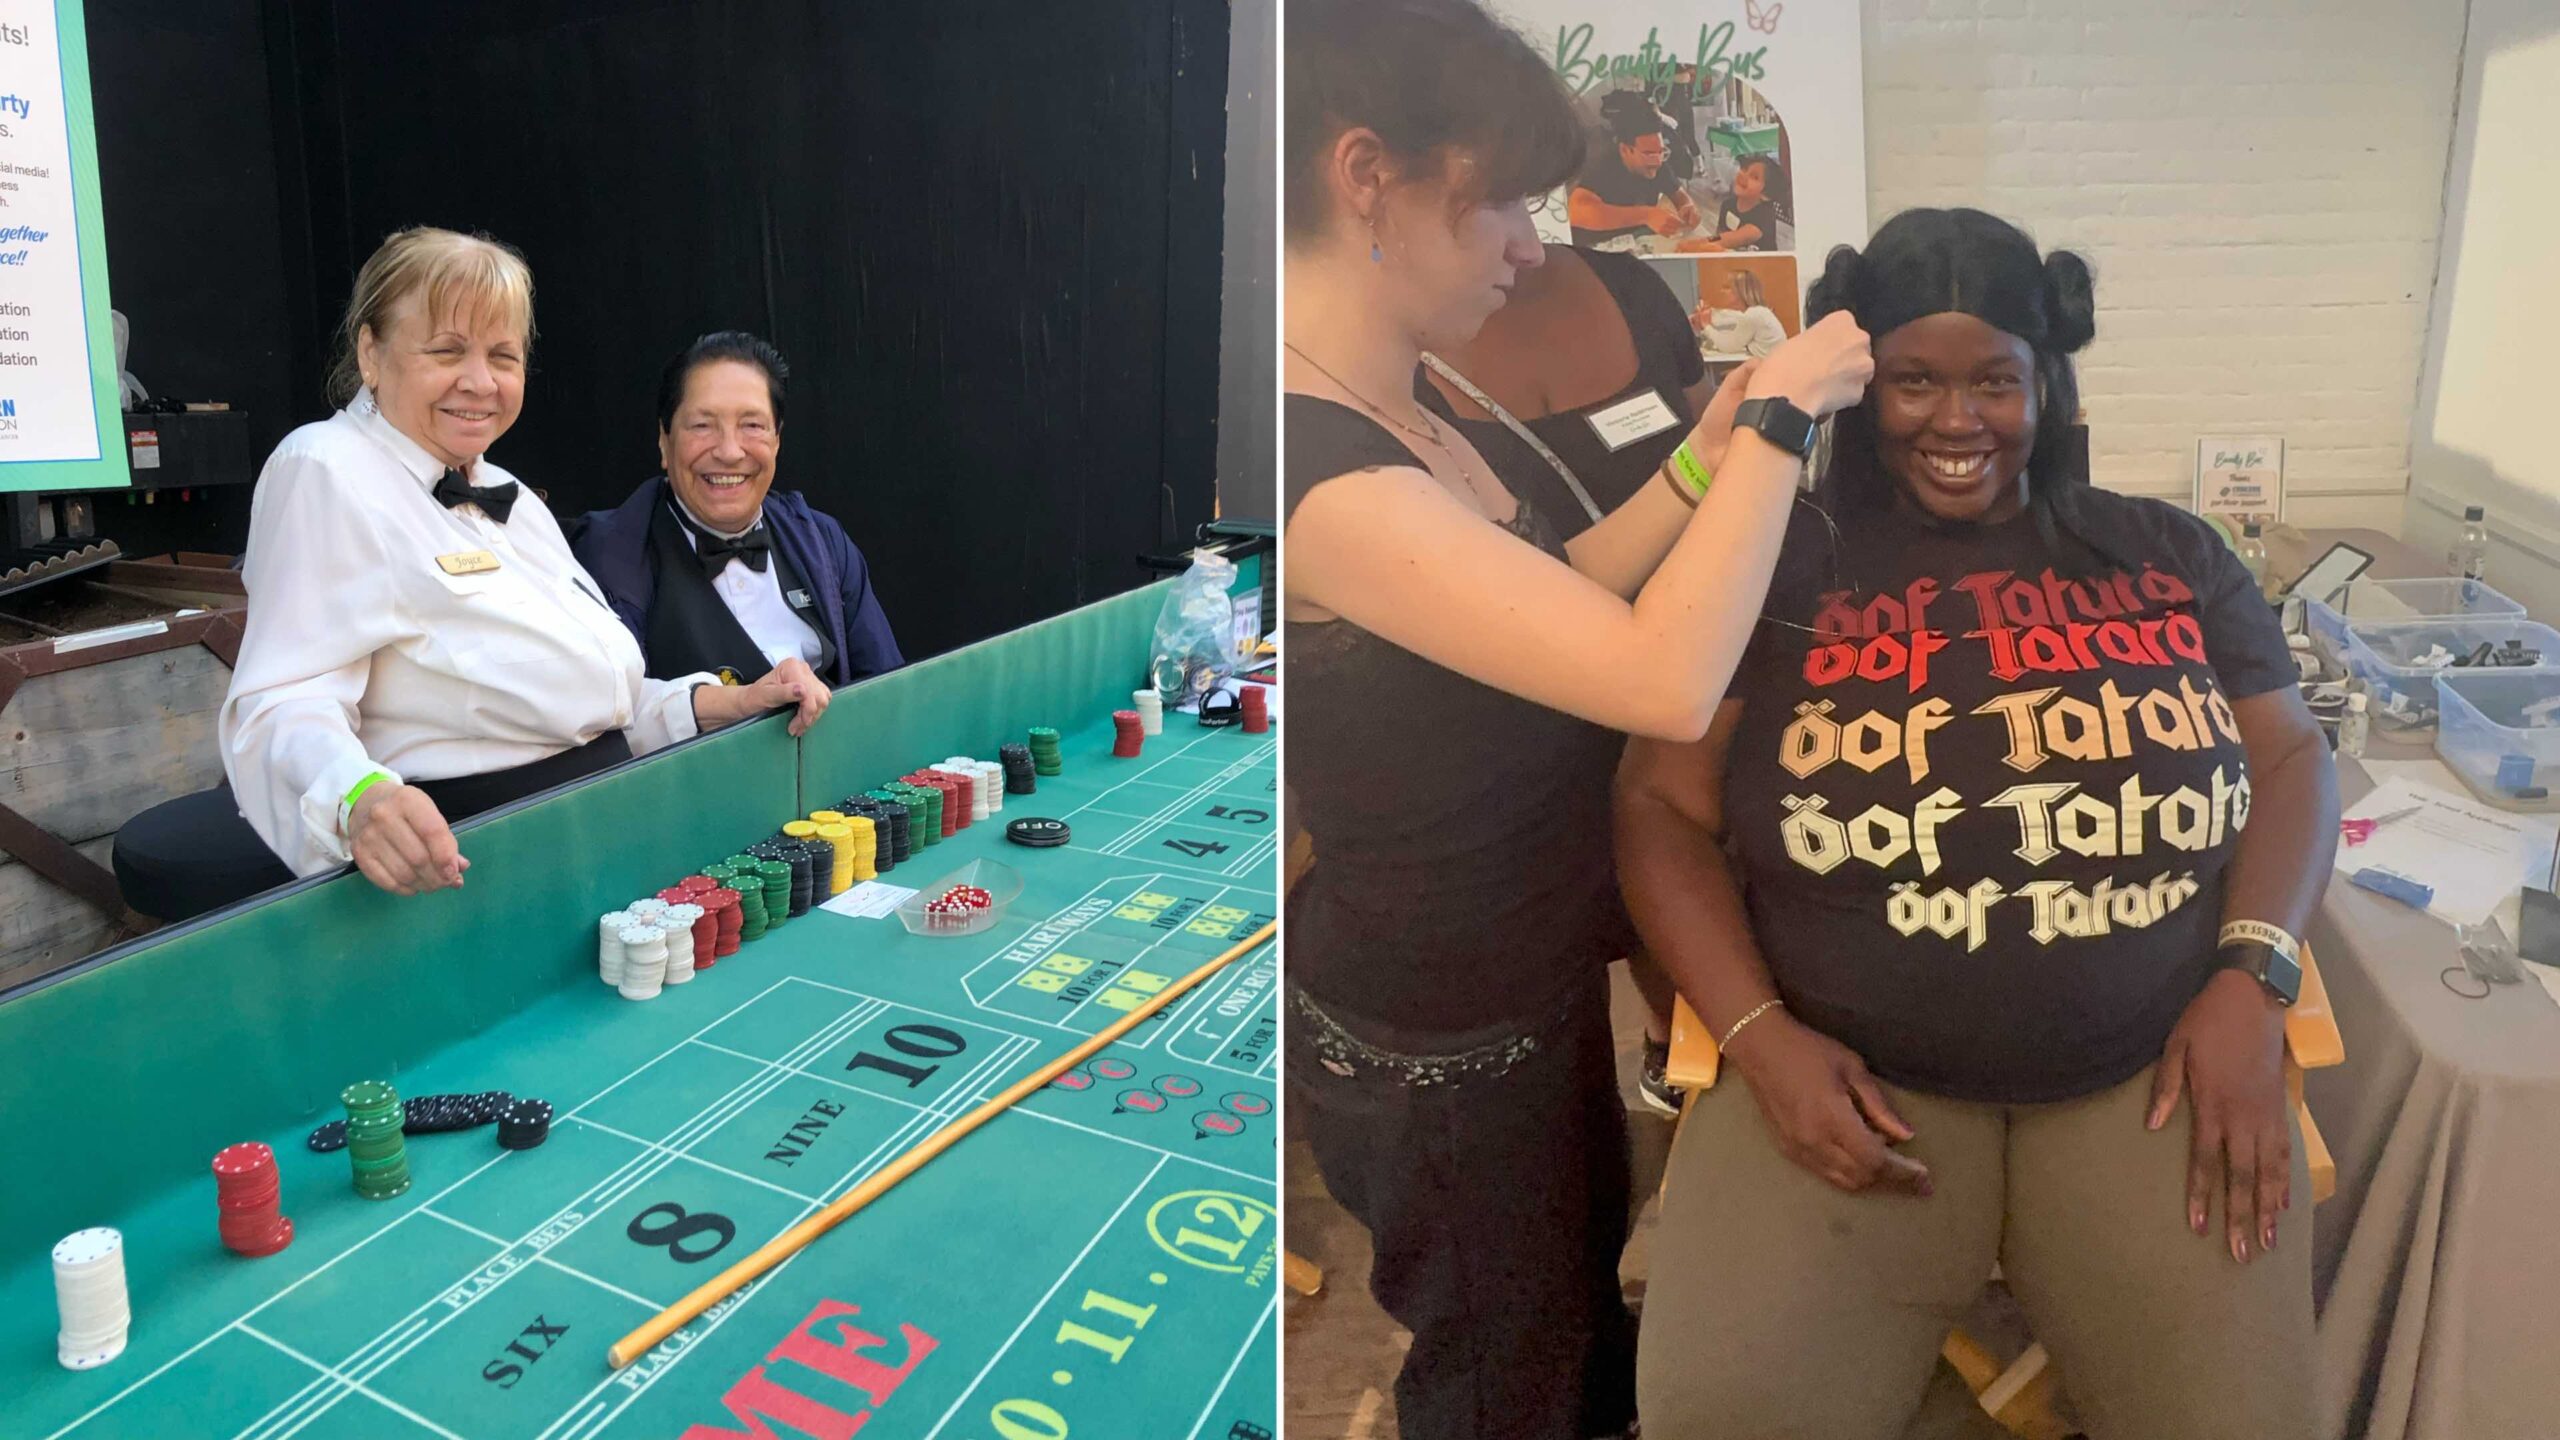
1195	647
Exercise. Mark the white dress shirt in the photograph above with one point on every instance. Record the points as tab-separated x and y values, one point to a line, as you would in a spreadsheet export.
755	597
363	654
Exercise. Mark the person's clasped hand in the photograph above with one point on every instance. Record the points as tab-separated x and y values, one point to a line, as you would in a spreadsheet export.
401	842
790	685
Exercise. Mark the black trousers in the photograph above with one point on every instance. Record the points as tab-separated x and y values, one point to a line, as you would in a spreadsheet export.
196	854
1496	1202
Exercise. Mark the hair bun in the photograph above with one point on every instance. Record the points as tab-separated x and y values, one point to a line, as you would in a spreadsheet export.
2071	301
1837	289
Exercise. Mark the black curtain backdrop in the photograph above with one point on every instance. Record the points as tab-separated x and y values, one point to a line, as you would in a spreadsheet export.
986	235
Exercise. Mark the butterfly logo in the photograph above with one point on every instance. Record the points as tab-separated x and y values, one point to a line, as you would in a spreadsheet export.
1763	18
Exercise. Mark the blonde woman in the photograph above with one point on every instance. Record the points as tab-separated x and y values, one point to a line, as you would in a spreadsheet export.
1746	326
420	644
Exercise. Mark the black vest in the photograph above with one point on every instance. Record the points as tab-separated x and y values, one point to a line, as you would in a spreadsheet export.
691	628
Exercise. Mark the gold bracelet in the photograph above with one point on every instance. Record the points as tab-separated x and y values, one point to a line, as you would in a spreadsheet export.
1763	1008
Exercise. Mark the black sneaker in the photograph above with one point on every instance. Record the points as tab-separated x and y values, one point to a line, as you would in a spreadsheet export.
1653	1084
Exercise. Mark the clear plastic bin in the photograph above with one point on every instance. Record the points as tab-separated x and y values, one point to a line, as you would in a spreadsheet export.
1003	887
2486	735
2370	602
2385	657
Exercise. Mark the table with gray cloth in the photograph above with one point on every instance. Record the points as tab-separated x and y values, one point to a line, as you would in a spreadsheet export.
2437	1264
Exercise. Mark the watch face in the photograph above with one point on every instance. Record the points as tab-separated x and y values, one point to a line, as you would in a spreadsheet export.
2283	977
1783	424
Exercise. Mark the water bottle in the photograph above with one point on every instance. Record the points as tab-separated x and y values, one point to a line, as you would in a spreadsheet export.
2253	555
2469	557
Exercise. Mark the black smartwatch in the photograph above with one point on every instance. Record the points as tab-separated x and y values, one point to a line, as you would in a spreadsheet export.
1779	423
2278	972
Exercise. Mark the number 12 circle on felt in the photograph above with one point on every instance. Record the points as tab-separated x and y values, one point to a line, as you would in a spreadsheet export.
1207	1228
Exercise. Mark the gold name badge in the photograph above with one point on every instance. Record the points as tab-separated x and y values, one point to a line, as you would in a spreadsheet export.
467	562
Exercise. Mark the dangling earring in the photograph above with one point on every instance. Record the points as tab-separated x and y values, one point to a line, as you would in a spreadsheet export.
1376	255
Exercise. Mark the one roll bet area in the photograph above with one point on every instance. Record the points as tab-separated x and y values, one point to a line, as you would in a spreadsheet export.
1100	1260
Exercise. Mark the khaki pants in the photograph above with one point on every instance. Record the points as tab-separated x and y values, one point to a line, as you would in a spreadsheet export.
1780	1307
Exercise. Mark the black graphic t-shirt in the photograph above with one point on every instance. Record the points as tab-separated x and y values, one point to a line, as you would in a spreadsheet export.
1983	814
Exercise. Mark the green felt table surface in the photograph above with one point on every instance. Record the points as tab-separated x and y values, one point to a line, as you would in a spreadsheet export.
1100	1261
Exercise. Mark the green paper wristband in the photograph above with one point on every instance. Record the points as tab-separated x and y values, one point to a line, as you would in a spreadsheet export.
362	786
1685	467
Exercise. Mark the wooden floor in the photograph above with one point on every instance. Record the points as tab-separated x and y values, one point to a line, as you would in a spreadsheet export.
1342	1352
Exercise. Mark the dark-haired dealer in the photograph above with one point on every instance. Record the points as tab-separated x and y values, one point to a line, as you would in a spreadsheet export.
709	566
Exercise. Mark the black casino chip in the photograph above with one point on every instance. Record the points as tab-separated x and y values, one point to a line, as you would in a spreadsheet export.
427	1115
1037	833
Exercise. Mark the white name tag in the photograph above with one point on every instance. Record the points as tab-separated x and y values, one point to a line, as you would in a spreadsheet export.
1629	421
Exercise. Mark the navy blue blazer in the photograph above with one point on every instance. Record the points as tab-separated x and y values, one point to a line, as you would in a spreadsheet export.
614	546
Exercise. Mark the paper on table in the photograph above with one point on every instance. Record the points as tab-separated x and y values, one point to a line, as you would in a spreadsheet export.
2475	856
870	900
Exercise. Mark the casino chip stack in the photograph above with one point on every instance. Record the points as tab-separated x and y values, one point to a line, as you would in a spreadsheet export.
775	873
1019	777
1150	707
644	961
1257	710
88	1285
609	928
1046	758
723	904
248	1196
526	1124
375	1146
682	943
1129	736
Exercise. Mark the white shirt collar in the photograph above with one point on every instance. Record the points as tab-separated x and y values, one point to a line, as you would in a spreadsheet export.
367	416
687	511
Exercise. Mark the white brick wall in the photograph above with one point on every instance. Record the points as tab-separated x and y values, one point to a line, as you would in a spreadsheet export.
2258	183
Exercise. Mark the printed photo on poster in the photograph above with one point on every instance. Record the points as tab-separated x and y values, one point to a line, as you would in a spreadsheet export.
1712	126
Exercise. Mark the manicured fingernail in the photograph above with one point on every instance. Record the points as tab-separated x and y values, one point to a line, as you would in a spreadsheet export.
2267	1238
2240	1248
2195	1218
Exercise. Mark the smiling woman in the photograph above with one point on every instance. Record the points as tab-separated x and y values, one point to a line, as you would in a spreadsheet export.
710	568
421	645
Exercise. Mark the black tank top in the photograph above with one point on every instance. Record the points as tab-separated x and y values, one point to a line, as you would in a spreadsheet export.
1462	877
1667	364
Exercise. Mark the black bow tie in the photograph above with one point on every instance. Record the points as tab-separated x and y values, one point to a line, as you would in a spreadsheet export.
498	500
716	551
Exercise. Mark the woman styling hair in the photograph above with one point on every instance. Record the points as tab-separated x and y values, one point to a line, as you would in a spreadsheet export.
1458	676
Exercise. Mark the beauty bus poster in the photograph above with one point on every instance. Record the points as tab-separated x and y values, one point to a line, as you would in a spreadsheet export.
1725	143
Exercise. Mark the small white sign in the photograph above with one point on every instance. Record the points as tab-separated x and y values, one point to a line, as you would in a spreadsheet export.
1629	421
2241	476
870	900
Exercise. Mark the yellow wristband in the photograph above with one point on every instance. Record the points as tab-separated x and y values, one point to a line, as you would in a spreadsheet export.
1692	476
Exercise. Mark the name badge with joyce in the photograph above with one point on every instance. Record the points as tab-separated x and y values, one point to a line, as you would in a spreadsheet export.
1629	421
467	562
